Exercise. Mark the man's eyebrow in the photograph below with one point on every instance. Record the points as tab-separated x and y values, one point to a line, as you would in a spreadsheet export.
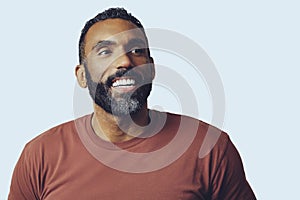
138	41
103	43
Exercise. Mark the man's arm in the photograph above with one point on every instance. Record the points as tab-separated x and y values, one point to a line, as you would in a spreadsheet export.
229	181
24	179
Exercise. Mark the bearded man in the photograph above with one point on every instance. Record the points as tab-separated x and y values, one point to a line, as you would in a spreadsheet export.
123	150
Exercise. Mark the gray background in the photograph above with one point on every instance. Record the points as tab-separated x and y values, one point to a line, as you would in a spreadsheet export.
254	45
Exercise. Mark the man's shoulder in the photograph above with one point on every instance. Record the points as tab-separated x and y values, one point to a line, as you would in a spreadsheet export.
201	125
59	133
204	135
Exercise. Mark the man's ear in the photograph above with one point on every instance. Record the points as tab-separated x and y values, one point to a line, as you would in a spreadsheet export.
80	74
153	68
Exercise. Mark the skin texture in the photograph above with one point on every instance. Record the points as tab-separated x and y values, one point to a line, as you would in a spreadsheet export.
122	53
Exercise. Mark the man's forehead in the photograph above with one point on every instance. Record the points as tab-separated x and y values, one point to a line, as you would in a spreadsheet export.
118	30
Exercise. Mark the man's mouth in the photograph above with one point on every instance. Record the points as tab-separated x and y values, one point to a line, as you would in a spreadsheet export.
124	84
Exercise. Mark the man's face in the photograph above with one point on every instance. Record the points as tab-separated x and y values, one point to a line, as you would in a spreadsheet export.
119	70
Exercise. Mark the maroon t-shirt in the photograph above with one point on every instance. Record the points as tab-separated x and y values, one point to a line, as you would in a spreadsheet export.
177	157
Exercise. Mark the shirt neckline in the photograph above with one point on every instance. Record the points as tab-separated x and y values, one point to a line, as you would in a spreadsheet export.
92	141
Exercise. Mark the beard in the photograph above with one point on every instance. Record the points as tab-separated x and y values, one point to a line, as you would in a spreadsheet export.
126	103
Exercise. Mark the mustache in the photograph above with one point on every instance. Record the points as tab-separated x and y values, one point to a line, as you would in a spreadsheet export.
124	72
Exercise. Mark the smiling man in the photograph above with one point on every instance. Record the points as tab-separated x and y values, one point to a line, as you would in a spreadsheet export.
110	153
118	70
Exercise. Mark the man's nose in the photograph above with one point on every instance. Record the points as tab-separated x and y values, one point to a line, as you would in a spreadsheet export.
123	61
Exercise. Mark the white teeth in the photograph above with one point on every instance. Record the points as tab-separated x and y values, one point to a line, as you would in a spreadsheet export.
123	82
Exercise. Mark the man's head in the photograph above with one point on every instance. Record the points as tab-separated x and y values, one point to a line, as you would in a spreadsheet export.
115	62
111	13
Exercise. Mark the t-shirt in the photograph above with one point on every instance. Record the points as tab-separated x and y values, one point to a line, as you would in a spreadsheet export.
176	158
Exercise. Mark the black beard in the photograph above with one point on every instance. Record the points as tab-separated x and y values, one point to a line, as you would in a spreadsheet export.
127	103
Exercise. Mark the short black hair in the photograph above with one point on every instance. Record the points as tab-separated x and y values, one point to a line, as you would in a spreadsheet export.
110	13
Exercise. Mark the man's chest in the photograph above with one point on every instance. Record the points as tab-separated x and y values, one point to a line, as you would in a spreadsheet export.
96	181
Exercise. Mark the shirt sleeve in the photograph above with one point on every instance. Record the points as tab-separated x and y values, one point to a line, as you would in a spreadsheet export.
229	181
24	179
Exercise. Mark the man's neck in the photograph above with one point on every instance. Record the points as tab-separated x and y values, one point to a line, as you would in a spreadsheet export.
118	128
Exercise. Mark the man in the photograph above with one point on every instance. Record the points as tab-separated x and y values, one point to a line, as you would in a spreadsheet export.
124	150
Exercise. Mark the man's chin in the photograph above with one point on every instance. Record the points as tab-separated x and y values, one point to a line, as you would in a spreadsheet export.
121	101
123	107
120	106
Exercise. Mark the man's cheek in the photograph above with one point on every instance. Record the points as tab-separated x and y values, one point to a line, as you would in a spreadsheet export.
98	76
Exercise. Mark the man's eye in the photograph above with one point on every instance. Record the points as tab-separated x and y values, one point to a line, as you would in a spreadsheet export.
104	52
138	51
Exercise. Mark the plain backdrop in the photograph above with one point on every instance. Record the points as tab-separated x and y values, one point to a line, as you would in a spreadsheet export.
254	45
